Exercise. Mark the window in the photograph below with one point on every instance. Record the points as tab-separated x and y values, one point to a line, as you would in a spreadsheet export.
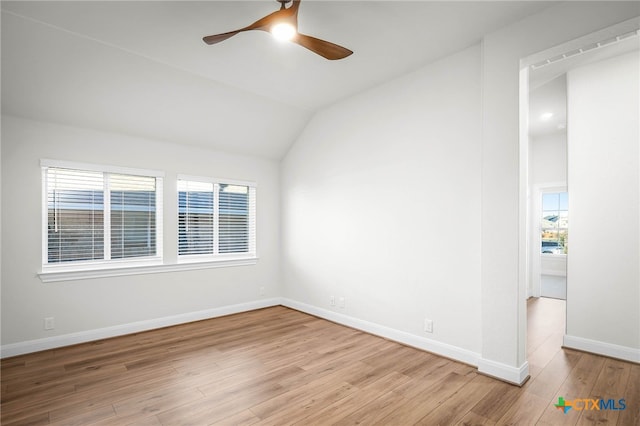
103	221
555	223
95	216
215	219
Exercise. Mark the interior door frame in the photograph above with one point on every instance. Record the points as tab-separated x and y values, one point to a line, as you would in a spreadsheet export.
525	189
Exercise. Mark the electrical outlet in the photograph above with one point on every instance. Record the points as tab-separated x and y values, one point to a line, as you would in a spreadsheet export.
428	325
49	323
332	300
341	301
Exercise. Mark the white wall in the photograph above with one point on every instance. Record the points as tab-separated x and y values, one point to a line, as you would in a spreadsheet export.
604	183
381	205
548	159
85	306
350	153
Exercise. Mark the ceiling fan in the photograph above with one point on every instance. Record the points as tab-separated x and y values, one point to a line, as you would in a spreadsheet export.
283	24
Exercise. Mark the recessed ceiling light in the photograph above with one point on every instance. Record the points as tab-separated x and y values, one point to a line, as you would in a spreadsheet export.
546	116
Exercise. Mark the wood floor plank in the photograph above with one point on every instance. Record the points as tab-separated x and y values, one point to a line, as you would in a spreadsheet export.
299	394
611	384
24	418
353	370
548	381
545	320
494	405
433	375
420	402
243	418
577	385
338	410
301	409
631	415
87	417
154	401
150	420
373	410
147	421
526	410
473	419
279	366
460	403
238	382
214	409
57	383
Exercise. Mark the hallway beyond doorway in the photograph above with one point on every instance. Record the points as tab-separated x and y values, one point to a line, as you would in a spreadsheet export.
545	330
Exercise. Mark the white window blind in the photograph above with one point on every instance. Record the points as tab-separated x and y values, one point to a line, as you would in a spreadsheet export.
216	218
133	216
195	217
235	227
100	216
75	215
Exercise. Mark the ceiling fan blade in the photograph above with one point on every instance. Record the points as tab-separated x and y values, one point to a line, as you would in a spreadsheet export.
217	38
323	48
294	7
261	24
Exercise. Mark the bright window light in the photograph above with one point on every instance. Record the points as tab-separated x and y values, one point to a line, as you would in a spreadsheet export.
236	189
283	31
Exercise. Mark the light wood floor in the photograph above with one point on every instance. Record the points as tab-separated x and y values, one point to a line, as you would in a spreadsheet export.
278	366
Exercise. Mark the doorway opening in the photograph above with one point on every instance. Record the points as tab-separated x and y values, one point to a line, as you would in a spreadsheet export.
545	187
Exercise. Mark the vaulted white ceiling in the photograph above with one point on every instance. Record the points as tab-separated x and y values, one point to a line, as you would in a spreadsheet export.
141	68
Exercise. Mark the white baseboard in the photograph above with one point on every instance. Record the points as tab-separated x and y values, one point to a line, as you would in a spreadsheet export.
602	348
513	375
438	348
29	346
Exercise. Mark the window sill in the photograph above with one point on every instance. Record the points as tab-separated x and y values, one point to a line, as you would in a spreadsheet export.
118	271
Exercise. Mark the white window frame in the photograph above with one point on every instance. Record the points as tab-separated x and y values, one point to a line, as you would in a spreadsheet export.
137	266
230	259
86	269
542	191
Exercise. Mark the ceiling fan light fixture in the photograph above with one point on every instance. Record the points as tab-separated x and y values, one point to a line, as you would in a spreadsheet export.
283	31
283	24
